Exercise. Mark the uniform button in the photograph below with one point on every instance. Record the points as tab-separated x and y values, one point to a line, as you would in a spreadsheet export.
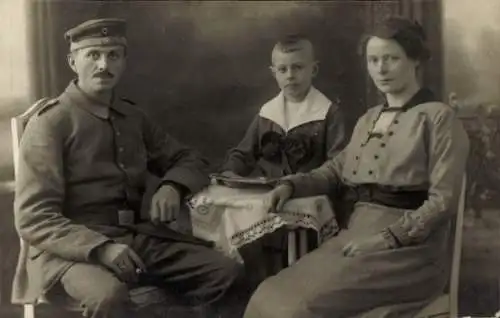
376	156
391	133
370	172
120	149
121	165
354	172
382	145
357	157
396	121
117	133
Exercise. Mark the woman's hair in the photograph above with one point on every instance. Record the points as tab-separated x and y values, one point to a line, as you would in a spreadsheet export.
409	35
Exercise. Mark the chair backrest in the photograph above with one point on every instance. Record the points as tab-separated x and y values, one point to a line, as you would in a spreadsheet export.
457	251
18	124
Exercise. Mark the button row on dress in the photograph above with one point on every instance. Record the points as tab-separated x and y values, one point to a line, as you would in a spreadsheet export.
375	156
354	172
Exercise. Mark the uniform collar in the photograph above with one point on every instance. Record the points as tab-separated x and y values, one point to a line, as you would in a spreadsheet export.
424	95
93	106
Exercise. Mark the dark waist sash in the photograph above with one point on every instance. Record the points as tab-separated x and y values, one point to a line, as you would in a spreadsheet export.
391	197
115	222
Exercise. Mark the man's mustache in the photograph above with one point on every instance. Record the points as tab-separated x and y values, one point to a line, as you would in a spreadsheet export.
104	74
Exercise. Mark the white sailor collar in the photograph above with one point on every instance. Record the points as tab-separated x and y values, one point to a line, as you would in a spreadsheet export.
316	108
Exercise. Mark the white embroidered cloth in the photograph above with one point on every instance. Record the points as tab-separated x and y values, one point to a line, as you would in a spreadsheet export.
233	217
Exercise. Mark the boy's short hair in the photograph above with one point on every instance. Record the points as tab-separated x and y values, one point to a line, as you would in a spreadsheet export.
292	43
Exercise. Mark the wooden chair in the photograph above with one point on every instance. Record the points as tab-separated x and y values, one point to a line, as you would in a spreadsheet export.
140	295
446	305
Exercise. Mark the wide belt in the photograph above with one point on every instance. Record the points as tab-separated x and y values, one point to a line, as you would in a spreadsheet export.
392	197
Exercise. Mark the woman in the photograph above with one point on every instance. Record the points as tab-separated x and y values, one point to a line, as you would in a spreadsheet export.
402	172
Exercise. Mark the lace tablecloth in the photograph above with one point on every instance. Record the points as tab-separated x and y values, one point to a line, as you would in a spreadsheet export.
232	217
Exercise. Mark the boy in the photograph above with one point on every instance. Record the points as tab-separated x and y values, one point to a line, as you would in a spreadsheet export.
297	130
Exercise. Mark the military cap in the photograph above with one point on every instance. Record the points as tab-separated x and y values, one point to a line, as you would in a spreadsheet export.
97	32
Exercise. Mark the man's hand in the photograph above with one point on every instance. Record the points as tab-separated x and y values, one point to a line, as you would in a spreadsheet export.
371	244
121	260
165	204
277	198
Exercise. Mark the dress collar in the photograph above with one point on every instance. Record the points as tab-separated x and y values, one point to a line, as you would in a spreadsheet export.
424	95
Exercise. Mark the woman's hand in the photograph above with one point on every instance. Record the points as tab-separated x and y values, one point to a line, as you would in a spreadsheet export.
276	199
368	245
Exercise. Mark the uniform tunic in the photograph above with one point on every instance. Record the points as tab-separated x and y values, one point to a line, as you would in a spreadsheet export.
425	148
80	162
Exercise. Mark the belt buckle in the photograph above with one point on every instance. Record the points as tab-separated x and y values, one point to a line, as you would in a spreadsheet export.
364	193
126	217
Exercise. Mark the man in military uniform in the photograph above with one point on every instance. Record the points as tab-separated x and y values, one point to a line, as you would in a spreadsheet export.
83	164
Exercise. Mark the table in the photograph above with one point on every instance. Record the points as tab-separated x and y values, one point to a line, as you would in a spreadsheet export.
233	217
